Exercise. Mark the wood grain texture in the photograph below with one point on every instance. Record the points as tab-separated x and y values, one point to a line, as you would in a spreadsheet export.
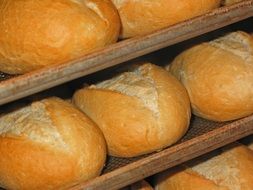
177	154
45	78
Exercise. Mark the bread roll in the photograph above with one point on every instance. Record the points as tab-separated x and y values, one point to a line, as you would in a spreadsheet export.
139	112
230	169
37	33
142	17
49	145
218	77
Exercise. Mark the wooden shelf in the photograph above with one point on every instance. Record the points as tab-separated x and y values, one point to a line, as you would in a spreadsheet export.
27	84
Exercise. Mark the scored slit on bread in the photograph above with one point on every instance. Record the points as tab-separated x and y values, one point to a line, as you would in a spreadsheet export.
239	44
51	142
136	83
35	123
139	111
229	168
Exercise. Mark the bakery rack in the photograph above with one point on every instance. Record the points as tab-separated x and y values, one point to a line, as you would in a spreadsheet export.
203	136
27	84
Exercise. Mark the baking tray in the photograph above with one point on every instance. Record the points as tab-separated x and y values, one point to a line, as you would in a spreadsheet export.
39	80
203	136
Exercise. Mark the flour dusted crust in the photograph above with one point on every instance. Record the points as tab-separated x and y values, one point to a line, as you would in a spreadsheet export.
38	33
228	169
141	17
139	111
35	123
218	76
137	84
49	145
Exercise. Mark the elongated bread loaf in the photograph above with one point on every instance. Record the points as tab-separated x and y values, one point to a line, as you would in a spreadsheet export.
139	111
49	145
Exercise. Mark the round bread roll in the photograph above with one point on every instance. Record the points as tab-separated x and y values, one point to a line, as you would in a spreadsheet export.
37	33
139	111
145	16
49	145
230	169
218	77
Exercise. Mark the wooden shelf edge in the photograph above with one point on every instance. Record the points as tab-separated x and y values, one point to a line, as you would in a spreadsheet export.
27	84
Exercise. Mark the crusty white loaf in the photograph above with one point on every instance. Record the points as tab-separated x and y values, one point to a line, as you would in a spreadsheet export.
228	169
49	145
218	76
38	33
141	17
139	111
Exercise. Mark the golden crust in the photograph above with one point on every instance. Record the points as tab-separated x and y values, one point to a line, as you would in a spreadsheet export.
141	17
218	77
232	169
129	127
34	34
244	158
181	178
29	164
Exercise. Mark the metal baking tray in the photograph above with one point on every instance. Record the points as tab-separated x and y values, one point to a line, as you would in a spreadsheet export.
16	87
203	136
